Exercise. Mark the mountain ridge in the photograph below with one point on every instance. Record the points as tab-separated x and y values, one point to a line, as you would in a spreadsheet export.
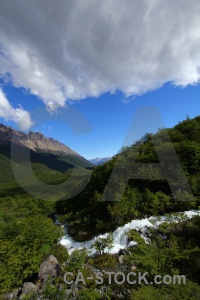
33	141
99	161
47	156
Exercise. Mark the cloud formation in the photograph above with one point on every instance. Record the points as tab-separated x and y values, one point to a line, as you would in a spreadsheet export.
17	115
67	50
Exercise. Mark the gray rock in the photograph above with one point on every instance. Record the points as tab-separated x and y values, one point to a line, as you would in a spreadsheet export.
68	293
71	292
12	295
50	268
28	287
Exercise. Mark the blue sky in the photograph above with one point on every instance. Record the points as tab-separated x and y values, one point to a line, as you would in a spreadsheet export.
110	116
102	61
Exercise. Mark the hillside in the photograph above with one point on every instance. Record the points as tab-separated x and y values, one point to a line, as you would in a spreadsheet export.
51	161
37	142
140	197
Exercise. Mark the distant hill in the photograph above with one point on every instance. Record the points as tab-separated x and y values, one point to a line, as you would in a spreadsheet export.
39	143
100	161
36	141
52	162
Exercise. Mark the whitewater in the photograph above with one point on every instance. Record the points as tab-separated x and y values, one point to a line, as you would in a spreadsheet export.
120	238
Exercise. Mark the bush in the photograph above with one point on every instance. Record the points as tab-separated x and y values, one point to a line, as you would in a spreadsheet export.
60	252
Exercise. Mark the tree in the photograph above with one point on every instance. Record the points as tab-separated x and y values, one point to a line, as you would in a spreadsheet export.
103	243
30	242
77	259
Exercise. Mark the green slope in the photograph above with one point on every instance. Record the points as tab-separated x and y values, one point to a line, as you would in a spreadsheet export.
49	168
141	196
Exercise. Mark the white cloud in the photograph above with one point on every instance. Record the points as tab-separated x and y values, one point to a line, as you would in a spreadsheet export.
66	49
17	115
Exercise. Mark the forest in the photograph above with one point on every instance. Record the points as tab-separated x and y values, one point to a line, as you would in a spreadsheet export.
133	198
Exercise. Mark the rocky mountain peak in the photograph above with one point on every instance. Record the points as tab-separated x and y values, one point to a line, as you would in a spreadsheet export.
33	140
34	136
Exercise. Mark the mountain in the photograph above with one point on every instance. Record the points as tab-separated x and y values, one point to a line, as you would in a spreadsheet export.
39	143
51	161
33	140
99	161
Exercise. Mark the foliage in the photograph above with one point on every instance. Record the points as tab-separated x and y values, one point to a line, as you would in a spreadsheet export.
27	236
60	252
89	295
148	196
50	291
102	243
77	260
105	261
173	249
189	291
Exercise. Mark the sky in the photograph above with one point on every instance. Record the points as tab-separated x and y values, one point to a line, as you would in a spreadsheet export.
98	61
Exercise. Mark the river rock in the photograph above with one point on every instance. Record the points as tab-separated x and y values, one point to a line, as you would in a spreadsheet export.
120	259
122	251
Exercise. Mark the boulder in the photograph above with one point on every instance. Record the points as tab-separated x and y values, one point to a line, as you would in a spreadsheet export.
12	295
50	268
28	287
